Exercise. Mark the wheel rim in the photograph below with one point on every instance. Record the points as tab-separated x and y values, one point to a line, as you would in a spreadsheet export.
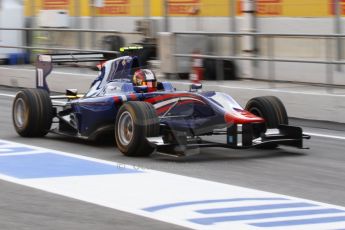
125	128
20	113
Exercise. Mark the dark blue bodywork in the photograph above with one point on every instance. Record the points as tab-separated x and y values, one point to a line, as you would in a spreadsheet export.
194	112
186	114
200	113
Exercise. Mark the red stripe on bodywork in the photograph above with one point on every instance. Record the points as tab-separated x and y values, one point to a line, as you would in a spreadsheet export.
117	99
242	117
190	101
163	109
133	97
166	107
169	96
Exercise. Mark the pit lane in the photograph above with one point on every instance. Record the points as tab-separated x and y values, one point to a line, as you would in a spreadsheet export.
312	174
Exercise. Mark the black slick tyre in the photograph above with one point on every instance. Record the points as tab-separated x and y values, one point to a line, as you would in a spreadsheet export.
135	121
270	108
32	113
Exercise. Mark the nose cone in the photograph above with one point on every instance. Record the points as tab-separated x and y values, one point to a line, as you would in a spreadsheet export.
241	117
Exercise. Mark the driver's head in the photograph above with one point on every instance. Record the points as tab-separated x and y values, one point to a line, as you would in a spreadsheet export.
145	77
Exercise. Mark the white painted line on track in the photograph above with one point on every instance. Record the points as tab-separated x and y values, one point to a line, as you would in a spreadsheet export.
325	135
7	95
76	74
54	72
20	153
13	96
181	200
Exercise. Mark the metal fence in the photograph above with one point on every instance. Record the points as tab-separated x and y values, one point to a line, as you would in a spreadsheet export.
332	55
38	40
329	58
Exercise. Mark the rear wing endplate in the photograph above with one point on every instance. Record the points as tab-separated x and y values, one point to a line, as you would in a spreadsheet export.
44	64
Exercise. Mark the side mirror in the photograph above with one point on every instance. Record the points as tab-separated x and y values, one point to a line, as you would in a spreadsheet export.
195	87
71	92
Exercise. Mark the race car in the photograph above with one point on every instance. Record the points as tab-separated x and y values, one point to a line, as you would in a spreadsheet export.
144	115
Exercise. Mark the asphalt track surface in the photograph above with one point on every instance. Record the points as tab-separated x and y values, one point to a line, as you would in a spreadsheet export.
317	174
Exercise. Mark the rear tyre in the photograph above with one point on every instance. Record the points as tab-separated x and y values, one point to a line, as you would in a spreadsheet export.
135	121
272	110
32	113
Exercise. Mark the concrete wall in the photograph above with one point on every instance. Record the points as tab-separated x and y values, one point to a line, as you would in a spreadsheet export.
10	16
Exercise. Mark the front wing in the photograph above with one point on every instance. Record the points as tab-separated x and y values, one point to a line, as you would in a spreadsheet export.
238	137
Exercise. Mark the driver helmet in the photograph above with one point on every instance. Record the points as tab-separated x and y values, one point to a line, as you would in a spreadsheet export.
145	77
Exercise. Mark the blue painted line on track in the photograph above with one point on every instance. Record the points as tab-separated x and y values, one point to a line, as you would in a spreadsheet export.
256	208
213	220
50	163
14	149
274	212
46	165
187	203
321	220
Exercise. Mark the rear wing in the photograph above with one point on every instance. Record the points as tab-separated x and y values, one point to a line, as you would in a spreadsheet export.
44	64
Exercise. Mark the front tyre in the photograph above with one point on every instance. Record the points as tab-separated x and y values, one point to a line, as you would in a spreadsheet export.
135	121
32	113
272	110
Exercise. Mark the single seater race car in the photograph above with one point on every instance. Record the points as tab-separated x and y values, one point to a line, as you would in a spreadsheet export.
144	115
